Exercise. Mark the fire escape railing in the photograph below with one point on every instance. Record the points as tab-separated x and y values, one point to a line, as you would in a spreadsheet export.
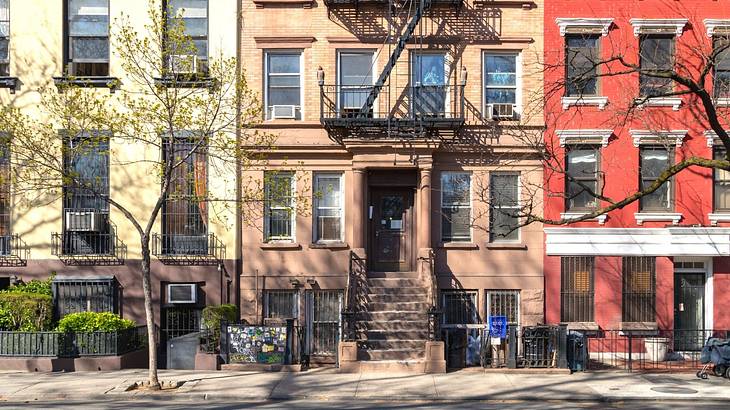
89	242
13	251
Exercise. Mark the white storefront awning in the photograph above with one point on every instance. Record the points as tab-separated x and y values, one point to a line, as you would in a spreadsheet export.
677	241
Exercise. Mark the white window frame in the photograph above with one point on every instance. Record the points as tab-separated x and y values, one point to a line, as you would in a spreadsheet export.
316	207
292	204
493	239
444	205
300	107
518	301
518	78
413	56
373	70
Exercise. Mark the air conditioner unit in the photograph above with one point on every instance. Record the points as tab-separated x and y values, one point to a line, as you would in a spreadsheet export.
85	221
182	293
283	111
502	111
183	64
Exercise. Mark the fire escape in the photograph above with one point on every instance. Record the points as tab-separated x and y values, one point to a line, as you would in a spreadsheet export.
426	105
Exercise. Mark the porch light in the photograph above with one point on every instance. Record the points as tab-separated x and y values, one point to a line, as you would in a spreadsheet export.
464	75
320	76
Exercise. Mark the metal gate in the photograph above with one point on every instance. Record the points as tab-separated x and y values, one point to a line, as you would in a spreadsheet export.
323	321
176	322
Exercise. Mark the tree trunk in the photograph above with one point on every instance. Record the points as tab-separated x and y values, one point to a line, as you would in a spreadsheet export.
154	382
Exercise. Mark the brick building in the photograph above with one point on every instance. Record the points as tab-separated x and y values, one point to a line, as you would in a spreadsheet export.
664	261
396	121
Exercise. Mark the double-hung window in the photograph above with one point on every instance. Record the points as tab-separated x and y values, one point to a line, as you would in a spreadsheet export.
639	289
582	167
185	210
656	59
576	289
500	85
279	215
4	38
283	85
455	207
188	20
581	58
504	303
654	160
504	207
722	66
328	212
87	42
722	183
355	82
459	307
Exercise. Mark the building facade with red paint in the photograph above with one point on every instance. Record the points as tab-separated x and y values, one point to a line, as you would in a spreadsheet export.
662	262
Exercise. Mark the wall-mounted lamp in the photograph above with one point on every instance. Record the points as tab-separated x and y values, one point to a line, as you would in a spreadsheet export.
295	283
320	76
464	75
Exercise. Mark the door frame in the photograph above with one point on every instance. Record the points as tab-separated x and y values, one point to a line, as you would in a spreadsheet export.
411	232
709	293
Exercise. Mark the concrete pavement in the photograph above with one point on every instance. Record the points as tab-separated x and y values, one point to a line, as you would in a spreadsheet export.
329	385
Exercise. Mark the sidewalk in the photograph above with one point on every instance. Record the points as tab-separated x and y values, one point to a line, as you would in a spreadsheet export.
328	384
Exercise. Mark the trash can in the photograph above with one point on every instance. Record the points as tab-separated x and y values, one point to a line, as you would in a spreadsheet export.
656	348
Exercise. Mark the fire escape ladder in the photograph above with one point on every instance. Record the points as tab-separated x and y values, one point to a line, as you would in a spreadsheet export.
423	5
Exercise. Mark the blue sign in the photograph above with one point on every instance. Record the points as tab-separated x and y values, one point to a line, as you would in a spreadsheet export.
498	326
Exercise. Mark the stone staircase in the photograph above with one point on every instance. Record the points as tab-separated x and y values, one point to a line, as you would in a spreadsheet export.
393	328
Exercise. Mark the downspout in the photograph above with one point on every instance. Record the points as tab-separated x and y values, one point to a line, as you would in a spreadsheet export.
239	207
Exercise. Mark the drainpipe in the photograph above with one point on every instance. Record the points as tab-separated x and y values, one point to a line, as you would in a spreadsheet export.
239	208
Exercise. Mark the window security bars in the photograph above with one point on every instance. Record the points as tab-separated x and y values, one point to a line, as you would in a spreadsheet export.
455	207
13	251
328	204
581	57
279	206
639	289
582	166
577	289
504	303
325	321
459	307
88	38
73	295
503	207
281	304
653	161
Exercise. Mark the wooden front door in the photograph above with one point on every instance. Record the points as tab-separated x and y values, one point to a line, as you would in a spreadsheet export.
391	229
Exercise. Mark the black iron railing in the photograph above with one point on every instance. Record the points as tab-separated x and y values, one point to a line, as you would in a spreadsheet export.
188	249
89	241
353	295
13	251
81	344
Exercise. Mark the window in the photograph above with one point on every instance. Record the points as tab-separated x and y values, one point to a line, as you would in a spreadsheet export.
73	295
722	67
657	56
356	80
279	206
455	207
722	183
582	167
328	212
5	195
281	304
639	289
582	56
459	307
190	16
429	80
500	81
655	160
504	207
283	85
4	38
576	289
88	38
185	210
504	303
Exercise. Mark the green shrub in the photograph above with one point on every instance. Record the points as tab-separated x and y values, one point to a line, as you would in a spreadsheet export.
213	316
93	322
42	287
25	311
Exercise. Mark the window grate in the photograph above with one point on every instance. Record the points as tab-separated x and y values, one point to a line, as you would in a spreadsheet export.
639	289
459	307
281	304
326	308
85	295
577	289
504	303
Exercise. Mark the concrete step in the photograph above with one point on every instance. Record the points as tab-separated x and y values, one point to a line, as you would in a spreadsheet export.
402	305
391	325
393	275
388	315
393	344
400	291
396	283
420	334
397	297
392	366
390	354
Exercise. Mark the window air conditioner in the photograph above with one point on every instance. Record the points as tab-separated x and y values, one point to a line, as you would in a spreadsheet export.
85	221
283	112
502	111
182	293
183	64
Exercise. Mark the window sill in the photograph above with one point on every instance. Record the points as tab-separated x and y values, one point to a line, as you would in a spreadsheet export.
583	326
112	83
11	83
674	102
575	215
642	217
638	327
598	101
723	102
507	245
715	218
193	82
280	245
329	245
458	245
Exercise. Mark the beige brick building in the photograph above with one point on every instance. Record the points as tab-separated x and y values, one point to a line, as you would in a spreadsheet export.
409	171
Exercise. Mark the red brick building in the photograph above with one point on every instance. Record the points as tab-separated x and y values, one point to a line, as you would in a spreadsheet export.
664	261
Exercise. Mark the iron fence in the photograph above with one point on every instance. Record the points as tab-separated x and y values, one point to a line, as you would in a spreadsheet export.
79	344
14	252
188	249
97	245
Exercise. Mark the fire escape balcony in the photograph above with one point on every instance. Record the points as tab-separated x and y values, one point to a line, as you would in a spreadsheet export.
357	3
89	238
188	250
13	251
424	107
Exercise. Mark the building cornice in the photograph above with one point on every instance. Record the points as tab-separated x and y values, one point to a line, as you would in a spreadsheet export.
650	137
574	137
584	25
717	26
654	26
